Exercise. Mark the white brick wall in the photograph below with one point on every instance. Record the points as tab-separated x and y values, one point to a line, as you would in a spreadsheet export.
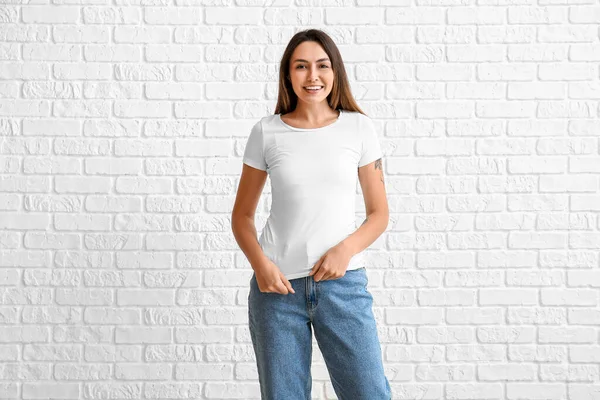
122	126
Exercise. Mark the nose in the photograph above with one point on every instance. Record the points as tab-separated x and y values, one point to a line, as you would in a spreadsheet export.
314	73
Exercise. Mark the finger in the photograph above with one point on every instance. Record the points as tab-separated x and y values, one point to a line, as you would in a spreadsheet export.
316	267
281	288
289	286
286	283
322	275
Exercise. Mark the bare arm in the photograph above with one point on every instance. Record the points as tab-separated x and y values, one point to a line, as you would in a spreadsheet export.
376	222
245	234
250	188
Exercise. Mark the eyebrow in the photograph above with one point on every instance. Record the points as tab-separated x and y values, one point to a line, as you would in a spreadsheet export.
319	60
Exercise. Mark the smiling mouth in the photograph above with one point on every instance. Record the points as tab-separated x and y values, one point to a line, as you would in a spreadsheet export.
312	90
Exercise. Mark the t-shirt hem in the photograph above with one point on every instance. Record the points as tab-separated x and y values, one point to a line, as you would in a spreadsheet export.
370	160
254	164
305	274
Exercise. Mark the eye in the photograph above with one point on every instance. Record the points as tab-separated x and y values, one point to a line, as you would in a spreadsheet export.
324	65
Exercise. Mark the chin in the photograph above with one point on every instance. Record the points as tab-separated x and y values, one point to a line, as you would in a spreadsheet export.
313	99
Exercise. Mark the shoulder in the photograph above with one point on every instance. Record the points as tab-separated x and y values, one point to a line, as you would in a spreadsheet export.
264	123
269	119
360	121
352	114
358	118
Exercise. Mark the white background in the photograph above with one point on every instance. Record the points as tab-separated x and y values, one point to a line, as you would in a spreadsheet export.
122	126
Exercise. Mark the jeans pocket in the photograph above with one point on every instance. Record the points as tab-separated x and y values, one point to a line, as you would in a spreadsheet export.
358	276
365	278
250	285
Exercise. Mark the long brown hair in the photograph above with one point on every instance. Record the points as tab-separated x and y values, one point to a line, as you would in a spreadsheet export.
340	96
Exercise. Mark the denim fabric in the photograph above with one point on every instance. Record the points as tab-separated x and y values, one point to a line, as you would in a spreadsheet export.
340	312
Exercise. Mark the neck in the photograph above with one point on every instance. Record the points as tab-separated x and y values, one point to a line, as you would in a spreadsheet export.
314	113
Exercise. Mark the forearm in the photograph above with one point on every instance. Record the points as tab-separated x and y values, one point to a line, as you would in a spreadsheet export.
245	234
372	227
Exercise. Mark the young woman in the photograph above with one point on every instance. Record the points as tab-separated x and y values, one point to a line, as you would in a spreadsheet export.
308	272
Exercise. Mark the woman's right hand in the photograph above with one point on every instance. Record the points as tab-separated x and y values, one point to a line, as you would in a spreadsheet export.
270	279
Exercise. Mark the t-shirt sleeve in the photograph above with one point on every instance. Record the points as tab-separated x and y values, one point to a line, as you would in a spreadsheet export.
371	149
254	154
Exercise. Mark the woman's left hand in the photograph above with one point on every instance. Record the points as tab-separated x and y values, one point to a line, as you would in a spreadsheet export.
333	264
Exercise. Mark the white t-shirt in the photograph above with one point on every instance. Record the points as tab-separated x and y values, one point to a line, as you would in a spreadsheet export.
314	174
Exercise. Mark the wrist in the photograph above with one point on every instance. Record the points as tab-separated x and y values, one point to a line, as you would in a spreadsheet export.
347	247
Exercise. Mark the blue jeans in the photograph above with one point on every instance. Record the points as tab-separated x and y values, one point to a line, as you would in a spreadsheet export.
340	310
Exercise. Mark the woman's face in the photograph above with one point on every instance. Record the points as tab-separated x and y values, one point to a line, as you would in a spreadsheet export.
310	66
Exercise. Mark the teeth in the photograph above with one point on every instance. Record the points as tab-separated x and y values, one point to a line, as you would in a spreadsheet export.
313	87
